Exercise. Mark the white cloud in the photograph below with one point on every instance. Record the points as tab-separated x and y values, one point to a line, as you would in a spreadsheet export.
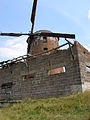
89	14
13	48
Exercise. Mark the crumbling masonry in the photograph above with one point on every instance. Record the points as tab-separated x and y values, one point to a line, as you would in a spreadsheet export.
34	77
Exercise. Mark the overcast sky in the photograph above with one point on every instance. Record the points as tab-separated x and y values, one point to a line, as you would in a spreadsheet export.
66	16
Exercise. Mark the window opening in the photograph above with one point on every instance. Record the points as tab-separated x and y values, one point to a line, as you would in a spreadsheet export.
6	88
57	71
45	49
88	69
44	39
29	76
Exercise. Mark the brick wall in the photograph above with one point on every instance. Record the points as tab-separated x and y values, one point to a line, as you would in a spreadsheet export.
31	78
40	44
84	63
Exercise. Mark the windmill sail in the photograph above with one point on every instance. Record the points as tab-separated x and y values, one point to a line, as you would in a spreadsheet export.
33	14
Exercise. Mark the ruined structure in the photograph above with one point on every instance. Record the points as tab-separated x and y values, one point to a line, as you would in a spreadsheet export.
32	76
46	70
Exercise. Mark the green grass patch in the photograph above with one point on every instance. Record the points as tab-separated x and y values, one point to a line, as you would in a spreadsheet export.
74	107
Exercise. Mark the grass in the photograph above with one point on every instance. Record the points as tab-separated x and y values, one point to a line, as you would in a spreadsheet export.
74	107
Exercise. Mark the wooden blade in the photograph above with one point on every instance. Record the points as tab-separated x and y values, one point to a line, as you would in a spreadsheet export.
33	14
71	36
14	34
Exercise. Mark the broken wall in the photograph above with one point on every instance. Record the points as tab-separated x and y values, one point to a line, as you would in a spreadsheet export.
84	63
32	78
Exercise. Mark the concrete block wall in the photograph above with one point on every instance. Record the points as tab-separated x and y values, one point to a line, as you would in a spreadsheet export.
31	78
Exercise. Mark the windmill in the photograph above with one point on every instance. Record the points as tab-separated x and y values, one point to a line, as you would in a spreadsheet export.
31	35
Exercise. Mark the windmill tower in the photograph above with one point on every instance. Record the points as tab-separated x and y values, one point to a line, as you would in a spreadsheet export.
39	44
43	44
